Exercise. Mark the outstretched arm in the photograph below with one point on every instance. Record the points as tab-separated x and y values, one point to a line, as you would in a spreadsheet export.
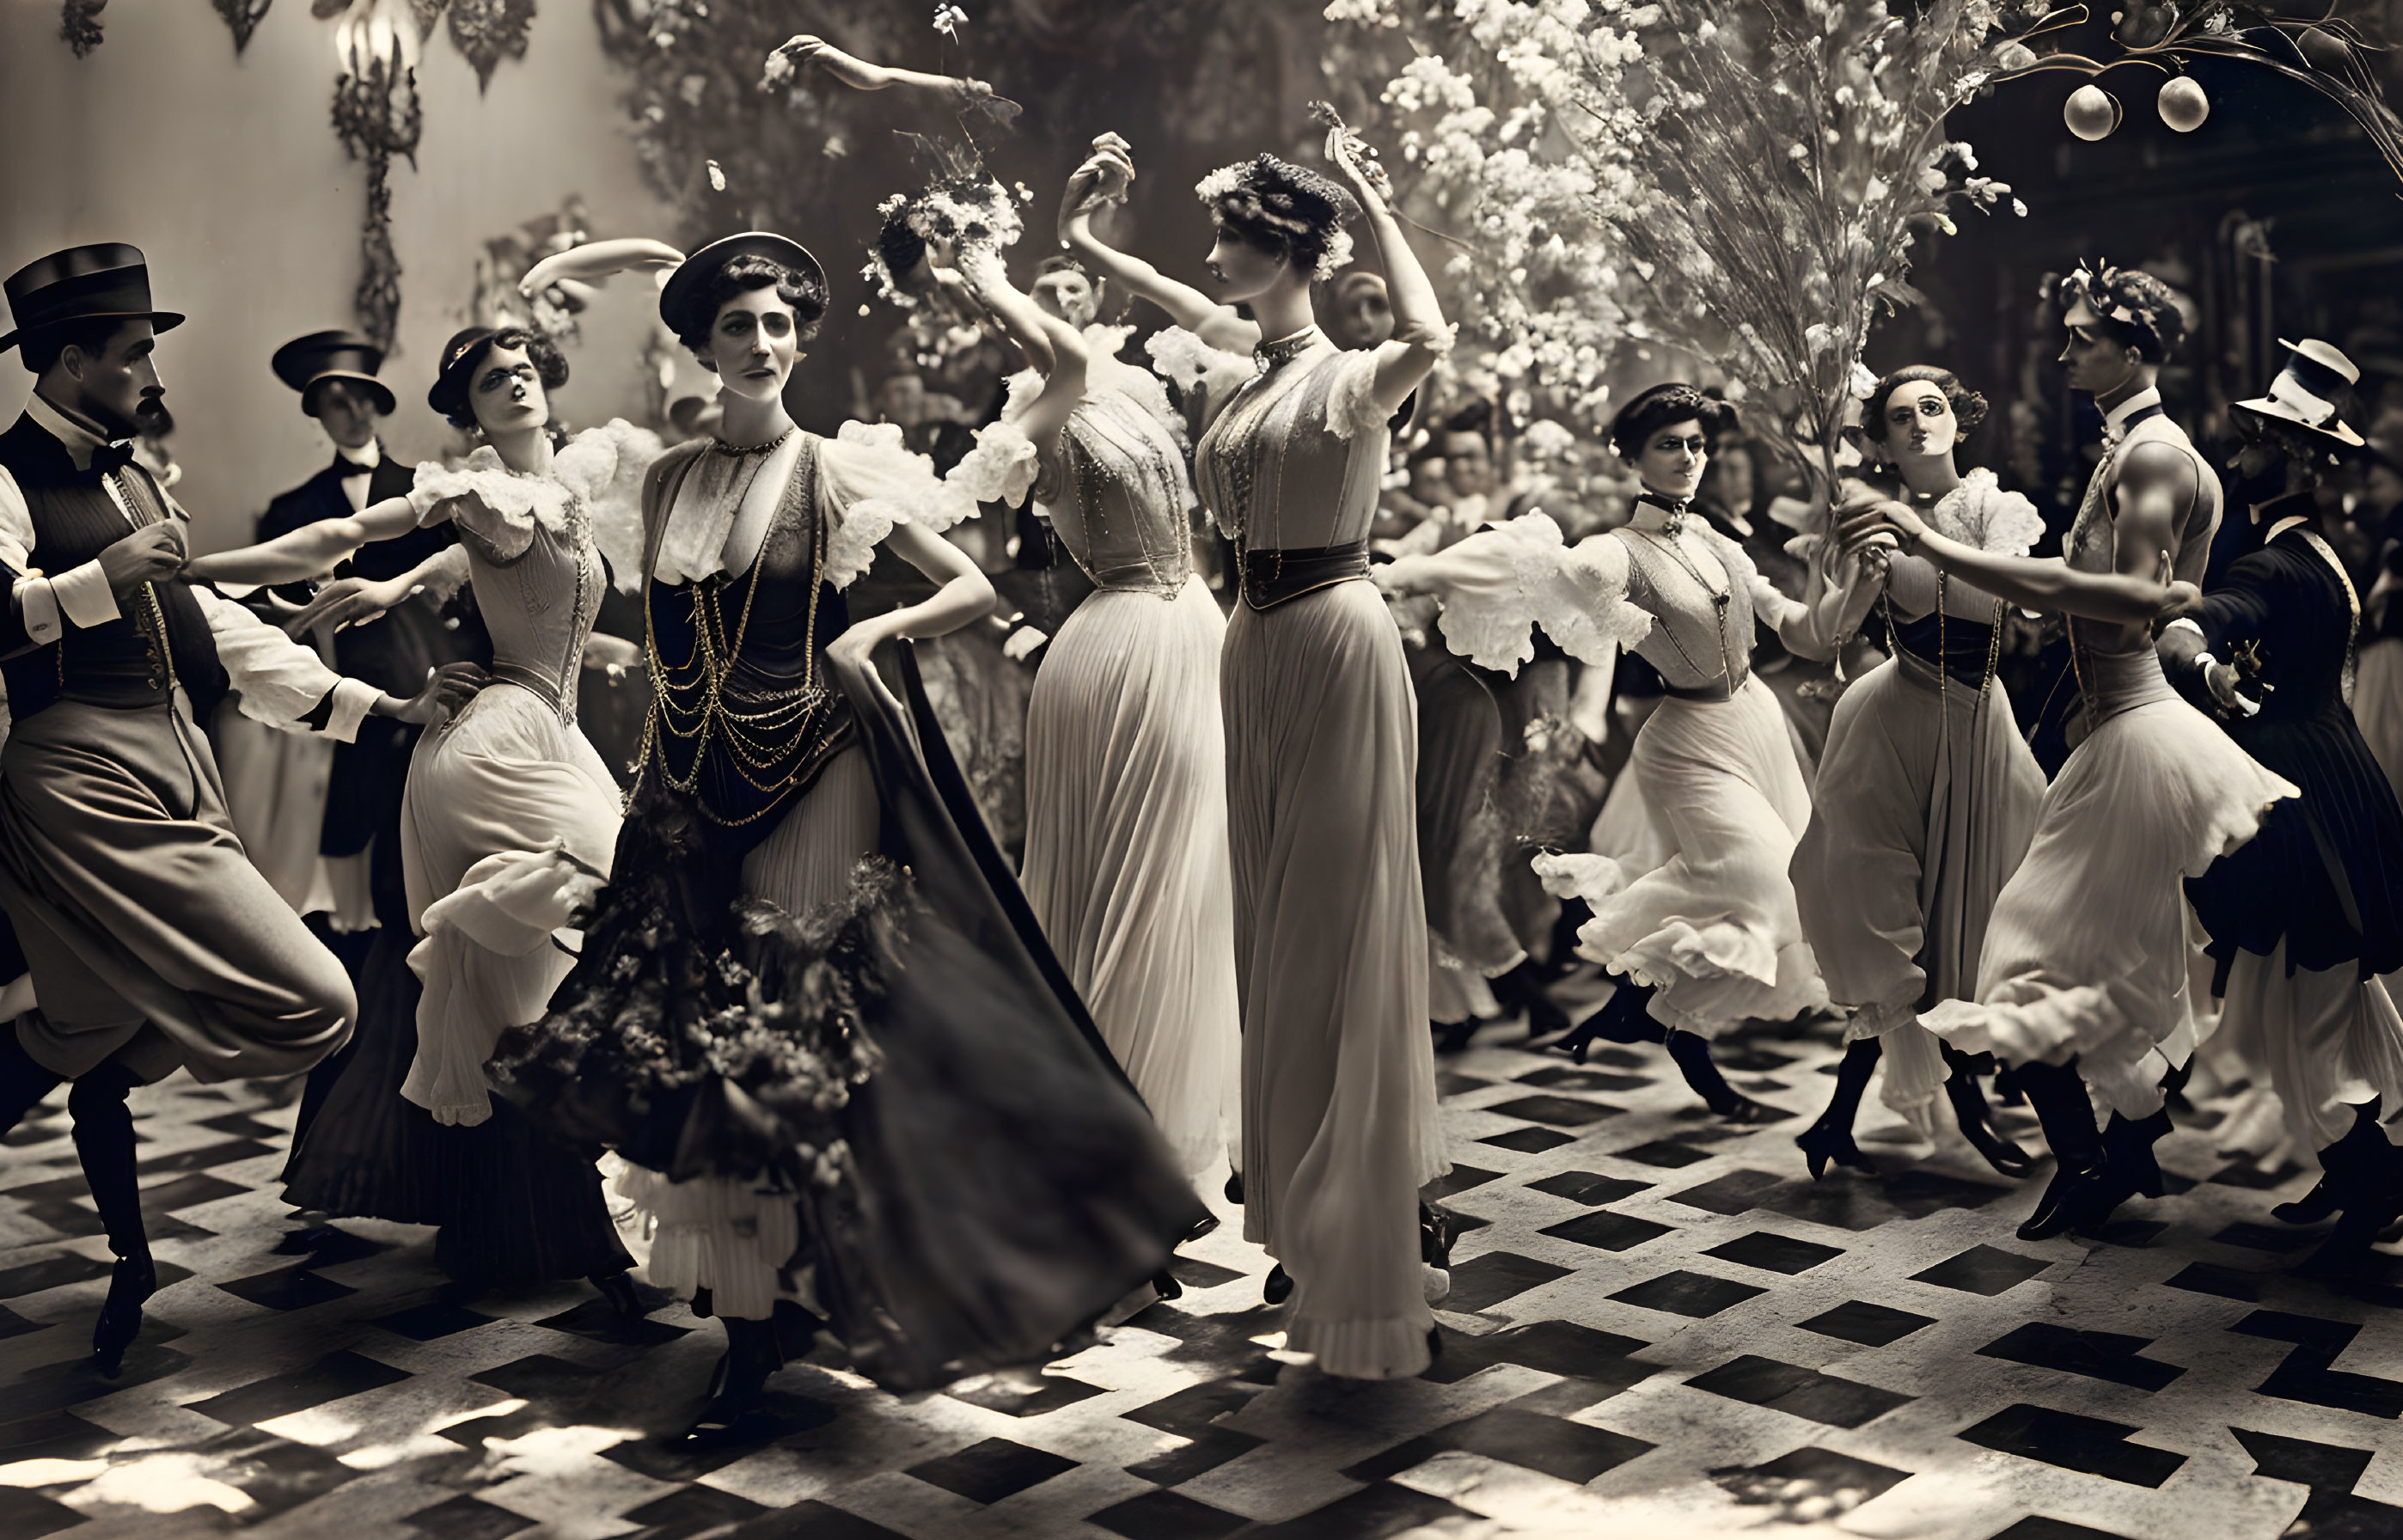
1102	179
2155	487
310	551
805	49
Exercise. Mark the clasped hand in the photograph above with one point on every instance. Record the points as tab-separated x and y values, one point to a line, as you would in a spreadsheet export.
150	554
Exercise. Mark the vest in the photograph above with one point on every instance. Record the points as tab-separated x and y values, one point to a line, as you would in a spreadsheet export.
159	640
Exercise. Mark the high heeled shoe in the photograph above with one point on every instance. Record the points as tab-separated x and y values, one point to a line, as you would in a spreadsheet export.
1824	1145
134	1280
1277	1287
1436	1235
1166	1285
2314	1207
618	1289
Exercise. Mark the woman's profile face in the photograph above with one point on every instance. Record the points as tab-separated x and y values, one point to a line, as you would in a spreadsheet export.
506	394
1244	271
1674	457
1918	422
754	343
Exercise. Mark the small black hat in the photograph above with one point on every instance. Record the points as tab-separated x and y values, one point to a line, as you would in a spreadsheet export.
304	361
82	284
449	395
682	293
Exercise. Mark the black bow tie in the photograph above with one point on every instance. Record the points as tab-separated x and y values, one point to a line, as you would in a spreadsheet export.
109	457
347	467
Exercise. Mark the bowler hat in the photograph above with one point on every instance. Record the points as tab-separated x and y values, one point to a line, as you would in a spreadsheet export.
103	282
323	355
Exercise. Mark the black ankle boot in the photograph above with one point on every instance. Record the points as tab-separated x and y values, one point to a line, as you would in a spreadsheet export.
751	1356
1971	1115
134	1281
2362	1142
1520	992
1830	1141
2067	1113
1278	1286
1692	1055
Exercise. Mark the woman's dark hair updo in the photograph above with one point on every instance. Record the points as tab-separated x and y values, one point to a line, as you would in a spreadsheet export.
1968	407
804	291
1280	207
550	366
1662	405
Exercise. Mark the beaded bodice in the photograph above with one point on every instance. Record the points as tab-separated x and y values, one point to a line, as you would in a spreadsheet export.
743	713
1695	585
1121	510
1280	468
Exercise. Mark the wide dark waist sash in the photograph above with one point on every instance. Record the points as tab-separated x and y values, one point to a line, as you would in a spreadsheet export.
1272	577
1965	648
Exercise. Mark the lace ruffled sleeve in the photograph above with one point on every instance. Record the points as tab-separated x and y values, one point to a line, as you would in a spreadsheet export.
1001	469
1980	513
1499	584
1352	409
1191	365
500	522
606	466
867	483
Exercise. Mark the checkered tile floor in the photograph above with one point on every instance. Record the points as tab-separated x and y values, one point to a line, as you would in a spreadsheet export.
1658	1326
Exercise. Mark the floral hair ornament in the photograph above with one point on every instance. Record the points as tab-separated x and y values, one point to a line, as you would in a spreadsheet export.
1302	208
963	204
2092	289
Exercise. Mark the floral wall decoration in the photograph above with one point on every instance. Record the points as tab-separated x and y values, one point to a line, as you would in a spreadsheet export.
1741	181
243	17
79	26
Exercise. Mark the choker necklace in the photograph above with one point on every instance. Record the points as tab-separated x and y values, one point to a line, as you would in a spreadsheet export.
1285	349
1675	507
737	450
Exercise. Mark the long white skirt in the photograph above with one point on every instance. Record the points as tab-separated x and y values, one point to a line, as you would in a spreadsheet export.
1927	800
2377	704
2329	1040
2088	951
508	827
1714	928
1126	848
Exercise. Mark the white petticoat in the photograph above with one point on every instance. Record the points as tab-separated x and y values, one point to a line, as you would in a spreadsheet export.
1714	928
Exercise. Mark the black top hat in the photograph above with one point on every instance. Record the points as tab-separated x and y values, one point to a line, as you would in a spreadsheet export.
82	284
449	395
682	294
321	355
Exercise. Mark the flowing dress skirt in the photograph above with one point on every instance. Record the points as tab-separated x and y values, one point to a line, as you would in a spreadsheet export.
1927	800
1126	848
2377	704
1339	1127
2088	952
1714	928
508	827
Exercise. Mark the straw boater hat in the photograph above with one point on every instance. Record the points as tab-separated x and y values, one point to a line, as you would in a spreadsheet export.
2303	393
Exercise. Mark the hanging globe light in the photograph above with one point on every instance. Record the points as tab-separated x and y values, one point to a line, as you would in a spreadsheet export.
2091	112
2183	104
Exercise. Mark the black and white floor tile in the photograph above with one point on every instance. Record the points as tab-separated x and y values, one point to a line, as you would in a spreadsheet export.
1658	1326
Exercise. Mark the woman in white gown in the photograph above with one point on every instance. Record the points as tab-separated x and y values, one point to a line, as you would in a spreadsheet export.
1927	796
1710	937
1339	1112
1126	760
2083	983
510	817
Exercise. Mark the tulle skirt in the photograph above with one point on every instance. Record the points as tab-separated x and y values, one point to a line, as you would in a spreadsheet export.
1927	800
1340	1126
1126	848
508	825
1714	927
2088	952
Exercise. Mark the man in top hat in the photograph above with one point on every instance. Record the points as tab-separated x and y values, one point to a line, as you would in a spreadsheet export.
327	834
153	941
2305	918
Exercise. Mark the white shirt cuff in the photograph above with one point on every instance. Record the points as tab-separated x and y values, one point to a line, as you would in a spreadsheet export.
353	700
39	606
85	596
